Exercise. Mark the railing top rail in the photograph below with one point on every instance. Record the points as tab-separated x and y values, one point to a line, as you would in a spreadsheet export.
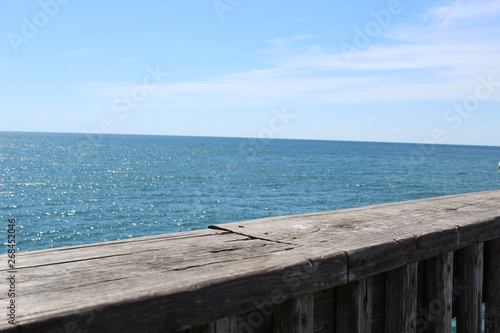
170	282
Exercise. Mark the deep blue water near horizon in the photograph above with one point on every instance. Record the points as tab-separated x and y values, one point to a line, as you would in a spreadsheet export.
70	189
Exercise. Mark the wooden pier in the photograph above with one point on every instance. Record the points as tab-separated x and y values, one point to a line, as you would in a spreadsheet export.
400	267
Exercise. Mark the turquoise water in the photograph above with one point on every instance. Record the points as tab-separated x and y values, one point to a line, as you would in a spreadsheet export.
68	189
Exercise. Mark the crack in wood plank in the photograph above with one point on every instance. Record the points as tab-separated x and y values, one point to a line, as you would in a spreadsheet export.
225	250
217	227
72	261
226	261
319	251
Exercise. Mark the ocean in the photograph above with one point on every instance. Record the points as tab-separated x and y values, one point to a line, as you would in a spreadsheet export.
70	189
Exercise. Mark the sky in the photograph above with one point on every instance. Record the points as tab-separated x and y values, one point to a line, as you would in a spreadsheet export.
392	71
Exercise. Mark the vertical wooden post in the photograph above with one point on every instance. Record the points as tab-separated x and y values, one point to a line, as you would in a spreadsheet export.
438	295
200	329
492	285
225	325
401	299
294	316
354	307
470	282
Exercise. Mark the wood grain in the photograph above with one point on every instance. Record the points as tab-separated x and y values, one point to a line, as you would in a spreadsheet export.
436	311
295	316
401	300
492	285
175	282
354	307
470	276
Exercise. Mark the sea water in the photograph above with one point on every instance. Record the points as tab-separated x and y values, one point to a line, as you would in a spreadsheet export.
69	189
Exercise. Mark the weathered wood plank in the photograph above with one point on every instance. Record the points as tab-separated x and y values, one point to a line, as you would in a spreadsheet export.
257	321
436	312
437	225
295	316
173	282
470	274
372	222
184	299
421	280
166	249
378	303
324	307
401	299
492	285
225	325
200	329
354	307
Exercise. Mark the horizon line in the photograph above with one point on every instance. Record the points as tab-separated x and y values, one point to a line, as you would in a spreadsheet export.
256	138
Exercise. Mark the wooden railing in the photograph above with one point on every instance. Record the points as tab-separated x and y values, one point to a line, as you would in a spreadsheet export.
401	267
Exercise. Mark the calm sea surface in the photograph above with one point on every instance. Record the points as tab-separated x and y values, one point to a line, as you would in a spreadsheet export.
68	189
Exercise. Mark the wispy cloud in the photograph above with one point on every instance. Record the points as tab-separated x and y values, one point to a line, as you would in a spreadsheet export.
285	42
463	10
83	51
426	62
127	60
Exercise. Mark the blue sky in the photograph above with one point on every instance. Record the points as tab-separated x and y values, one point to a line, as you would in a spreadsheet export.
397	71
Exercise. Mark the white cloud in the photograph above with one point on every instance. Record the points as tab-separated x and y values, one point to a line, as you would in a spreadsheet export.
127	60
283	42
432	62
463	10
83	51
283	46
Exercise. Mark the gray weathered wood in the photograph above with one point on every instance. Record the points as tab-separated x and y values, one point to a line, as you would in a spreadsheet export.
354	307
437	225
404	219
258	321
225	325
295	316
401	300
436	312
492	285
170	283
175	284
469	268
207	328
324	307
378	303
